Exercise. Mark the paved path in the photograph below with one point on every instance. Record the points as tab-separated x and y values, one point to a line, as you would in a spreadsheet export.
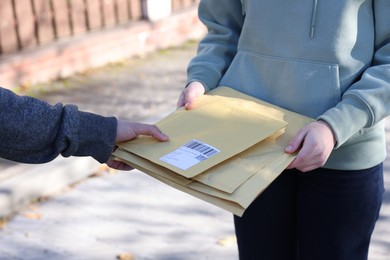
129	212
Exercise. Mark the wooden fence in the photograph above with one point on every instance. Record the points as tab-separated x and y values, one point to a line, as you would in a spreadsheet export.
29	23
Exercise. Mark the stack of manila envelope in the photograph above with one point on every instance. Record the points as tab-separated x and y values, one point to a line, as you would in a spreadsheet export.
226	150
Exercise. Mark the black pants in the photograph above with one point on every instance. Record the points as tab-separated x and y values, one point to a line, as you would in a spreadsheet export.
319	215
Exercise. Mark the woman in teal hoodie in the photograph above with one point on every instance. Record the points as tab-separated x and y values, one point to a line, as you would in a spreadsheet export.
329	60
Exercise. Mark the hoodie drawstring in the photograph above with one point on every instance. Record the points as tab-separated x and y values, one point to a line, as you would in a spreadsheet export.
313	18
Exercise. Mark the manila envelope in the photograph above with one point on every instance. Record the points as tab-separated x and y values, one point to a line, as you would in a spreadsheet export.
235	182
236	201
218	128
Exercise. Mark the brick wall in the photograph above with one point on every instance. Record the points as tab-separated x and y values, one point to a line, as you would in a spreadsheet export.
72	55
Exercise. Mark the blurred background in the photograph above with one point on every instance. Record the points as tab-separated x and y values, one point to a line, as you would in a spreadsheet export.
42	40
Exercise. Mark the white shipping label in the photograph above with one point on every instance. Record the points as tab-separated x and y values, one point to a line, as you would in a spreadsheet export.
190	154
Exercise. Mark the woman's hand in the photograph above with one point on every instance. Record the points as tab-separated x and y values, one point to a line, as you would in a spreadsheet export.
315	142
189	94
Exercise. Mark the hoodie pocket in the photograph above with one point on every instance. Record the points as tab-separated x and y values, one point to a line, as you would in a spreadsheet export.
306	87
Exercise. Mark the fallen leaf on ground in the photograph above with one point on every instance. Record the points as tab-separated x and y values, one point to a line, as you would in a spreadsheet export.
125	256
228	241
32	215
3	223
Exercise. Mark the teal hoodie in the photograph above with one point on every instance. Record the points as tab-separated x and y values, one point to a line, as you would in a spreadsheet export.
326	59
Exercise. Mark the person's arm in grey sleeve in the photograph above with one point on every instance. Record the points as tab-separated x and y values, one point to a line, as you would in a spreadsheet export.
218	48
33	131
366	102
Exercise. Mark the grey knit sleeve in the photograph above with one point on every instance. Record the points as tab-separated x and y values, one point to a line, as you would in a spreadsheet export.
33	131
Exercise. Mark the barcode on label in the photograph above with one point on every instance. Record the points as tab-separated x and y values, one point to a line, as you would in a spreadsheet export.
202	148
190	154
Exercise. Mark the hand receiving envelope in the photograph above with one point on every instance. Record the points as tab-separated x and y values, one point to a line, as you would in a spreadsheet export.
226	150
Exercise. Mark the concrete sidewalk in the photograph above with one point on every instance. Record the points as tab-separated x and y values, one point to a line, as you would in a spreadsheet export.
126	214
